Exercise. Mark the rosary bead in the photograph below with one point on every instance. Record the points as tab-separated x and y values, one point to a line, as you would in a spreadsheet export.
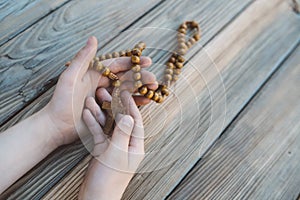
137	76
143	45
181	51
182	45
192	41
96	59
181	40
170	65
143	90
180	35
182	30
194	24
172	60
184	26
135	59
197	36
189	44
155	96
128	52
149	94
112	76
136	68
136	52
179	64
106	71
138	84
165	91
176	71
116	83
180	58
115	54
161	99
98	66
122	53
168	77
108	56
175	77
169	71
102	57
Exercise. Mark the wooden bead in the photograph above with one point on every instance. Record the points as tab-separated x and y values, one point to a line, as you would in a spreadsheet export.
165	91
122	53
180	58
106	71
194	24
135	59
170	65
182	30
139	46
196	37
180	35
136	68
192	41
168	77
137	76
136	52
176	71
138	84
182	45
175	77
143	90
181	40
143	45
102	57
128	52
149	94
155	96
113	76
115	54
98	66
181	51
179	65
169	71
108	56
160	99
189	44
96	59
184	26
116	83
172	60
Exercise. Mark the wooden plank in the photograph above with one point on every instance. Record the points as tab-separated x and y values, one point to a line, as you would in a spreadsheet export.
256	41
15	17
31	60
258	157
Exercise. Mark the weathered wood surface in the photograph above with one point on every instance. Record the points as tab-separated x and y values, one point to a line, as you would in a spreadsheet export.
258	156
16	16
210	28
31	60
239	58
240	51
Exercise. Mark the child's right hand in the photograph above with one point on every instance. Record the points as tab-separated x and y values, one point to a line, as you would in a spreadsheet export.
116	159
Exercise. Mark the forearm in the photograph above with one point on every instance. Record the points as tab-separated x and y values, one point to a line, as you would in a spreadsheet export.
23	146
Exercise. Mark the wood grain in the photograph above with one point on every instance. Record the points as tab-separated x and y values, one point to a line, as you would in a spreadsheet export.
16	17
32	59
257	41
258	157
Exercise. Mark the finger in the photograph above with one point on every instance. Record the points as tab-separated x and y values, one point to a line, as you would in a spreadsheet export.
122	131
80	63
121	64
103	95
91	104
137	136
141	101
93	126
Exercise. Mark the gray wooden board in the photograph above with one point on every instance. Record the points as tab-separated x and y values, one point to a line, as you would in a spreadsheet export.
258	156
16	16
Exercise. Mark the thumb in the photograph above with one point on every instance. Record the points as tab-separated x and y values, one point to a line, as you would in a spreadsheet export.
80	63
122	131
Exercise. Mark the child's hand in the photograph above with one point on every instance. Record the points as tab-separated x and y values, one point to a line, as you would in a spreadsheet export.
116	159
64	111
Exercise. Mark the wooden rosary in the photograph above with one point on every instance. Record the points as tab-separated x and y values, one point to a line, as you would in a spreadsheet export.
172	71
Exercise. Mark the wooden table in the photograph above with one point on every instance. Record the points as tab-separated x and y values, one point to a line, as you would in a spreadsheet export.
231	128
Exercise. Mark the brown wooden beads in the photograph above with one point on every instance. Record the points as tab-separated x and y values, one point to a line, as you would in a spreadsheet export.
173	65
